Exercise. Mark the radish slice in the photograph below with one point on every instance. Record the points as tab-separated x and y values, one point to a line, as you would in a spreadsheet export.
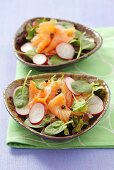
65	51
36	113
68	81
23	111
95	105
39	59
26	47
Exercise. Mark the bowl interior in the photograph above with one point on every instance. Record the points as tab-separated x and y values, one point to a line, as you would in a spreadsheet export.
8	93
21	33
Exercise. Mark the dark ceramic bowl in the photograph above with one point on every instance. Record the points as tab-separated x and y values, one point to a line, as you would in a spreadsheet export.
8	93
24	59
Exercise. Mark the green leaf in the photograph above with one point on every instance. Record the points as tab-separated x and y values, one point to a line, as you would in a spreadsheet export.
84	42
81	86
30	53
87	44
83	109
54	60
65	24
55	128
20	98
38	21
44	122
78	104
30	33
78	34
75	42
39	80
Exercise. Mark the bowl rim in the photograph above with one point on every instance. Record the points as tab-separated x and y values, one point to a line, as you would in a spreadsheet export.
61	137
98	45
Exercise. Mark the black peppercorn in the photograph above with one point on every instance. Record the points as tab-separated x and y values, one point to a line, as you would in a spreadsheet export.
51	35
63	107
59	91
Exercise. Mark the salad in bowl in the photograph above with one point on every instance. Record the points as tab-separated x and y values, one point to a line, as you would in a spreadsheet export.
53	43
59	106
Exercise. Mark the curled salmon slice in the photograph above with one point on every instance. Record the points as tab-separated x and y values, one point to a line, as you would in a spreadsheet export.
59	36
35	94
54	87
57	106
45	30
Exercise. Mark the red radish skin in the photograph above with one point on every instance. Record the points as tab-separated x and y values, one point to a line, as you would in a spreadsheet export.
65	51
24	111
37	113
26	47
39	59
95	106
68	81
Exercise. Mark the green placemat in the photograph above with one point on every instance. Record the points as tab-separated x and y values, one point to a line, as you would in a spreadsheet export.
100	64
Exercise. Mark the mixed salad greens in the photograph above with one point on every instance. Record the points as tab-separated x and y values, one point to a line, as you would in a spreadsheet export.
58	106
52	42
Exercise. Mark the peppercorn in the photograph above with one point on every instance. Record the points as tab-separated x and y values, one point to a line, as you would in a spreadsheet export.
51	35
59	91
63	107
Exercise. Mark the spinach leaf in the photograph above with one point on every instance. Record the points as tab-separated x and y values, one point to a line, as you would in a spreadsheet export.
65	24
21	95
44	122
30	53
55	128
54	60
20	98
38	85
39	80
87	43
84	42
30	33
81	86
83	108
78	104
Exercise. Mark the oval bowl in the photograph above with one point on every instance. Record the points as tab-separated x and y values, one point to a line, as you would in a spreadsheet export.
90	33
8	93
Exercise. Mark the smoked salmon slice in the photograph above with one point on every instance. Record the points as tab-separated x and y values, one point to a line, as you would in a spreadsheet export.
57	106
59	37
43	39
54	87
36	95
